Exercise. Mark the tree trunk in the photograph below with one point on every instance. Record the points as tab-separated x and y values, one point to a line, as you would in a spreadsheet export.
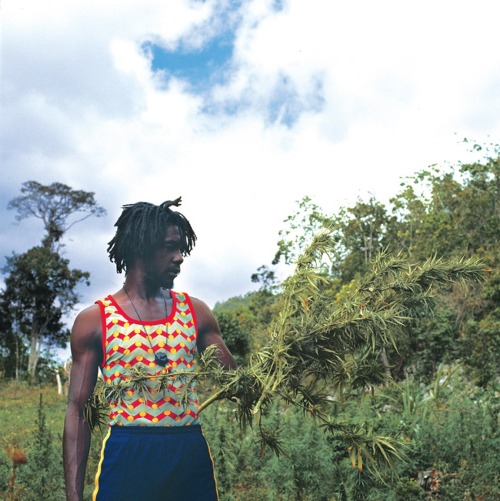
18	362
59	383
34	351
67	371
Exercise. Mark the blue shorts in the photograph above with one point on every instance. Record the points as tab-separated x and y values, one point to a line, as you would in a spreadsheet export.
142	463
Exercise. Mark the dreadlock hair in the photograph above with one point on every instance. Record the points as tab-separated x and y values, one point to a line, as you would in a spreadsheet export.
141	229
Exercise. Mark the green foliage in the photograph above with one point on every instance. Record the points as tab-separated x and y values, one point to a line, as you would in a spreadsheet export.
42	477
449	427
447	212
39	291
480	330
254	312
40	288
320	347
361	234
267	278
304	470
299	230
236	339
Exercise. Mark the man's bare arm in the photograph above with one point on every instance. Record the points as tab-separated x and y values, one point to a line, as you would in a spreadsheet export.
209	334
86	351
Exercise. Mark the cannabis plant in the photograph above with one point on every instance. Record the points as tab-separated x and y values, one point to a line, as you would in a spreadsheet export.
321	345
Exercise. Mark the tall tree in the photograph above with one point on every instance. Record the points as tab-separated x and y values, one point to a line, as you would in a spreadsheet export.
13	351
39	291
57	205
361	236
40	287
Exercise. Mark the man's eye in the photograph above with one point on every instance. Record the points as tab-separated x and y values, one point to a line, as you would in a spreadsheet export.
171	247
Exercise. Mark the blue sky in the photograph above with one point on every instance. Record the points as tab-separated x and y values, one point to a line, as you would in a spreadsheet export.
202	67
240	107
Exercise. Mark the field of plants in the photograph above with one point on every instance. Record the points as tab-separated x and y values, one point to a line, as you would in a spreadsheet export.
448	428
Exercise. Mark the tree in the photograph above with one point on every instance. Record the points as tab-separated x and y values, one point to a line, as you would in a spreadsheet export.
449	212
452	212
254	311
13	348
298	233
55	205
40	288
39	291
361	234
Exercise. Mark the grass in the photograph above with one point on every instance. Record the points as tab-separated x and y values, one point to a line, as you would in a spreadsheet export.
18	411
19	404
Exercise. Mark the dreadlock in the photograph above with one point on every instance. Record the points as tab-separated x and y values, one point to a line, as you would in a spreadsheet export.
141	228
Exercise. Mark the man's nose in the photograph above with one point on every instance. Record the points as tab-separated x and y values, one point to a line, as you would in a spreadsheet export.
178	257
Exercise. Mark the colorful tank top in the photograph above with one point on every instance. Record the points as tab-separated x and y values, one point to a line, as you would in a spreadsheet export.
166	396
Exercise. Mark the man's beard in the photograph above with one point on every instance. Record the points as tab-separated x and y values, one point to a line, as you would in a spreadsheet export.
168	284
155	281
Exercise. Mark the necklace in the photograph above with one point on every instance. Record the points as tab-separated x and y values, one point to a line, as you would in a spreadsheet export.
161	358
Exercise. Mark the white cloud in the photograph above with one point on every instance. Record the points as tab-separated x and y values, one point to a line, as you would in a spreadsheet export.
375	90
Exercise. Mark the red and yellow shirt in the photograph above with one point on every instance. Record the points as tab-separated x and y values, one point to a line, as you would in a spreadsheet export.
169	400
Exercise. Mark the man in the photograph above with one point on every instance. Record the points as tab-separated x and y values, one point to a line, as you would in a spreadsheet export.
154	448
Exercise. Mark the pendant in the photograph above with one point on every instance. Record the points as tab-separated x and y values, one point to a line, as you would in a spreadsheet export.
161	358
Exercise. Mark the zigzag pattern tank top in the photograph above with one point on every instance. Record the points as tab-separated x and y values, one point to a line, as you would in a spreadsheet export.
157	401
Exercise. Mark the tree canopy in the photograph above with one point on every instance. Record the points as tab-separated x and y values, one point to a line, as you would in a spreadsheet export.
40	287
57	205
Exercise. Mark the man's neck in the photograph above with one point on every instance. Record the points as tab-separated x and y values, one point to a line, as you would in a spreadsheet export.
139	289
143	302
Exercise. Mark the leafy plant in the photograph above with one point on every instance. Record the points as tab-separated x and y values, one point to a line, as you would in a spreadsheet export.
42	476
319	347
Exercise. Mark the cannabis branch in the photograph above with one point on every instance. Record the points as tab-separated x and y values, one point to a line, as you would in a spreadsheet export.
320	345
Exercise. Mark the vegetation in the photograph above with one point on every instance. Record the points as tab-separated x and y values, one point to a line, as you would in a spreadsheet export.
369	374
449	428
40	288
57	205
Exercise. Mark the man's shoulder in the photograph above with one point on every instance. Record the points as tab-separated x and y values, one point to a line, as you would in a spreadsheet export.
89	319
204	315
90	311
86	336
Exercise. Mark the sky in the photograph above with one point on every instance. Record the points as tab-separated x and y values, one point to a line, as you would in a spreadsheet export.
240	107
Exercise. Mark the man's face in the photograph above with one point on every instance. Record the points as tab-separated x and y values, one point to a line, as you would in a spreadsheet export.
165	263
